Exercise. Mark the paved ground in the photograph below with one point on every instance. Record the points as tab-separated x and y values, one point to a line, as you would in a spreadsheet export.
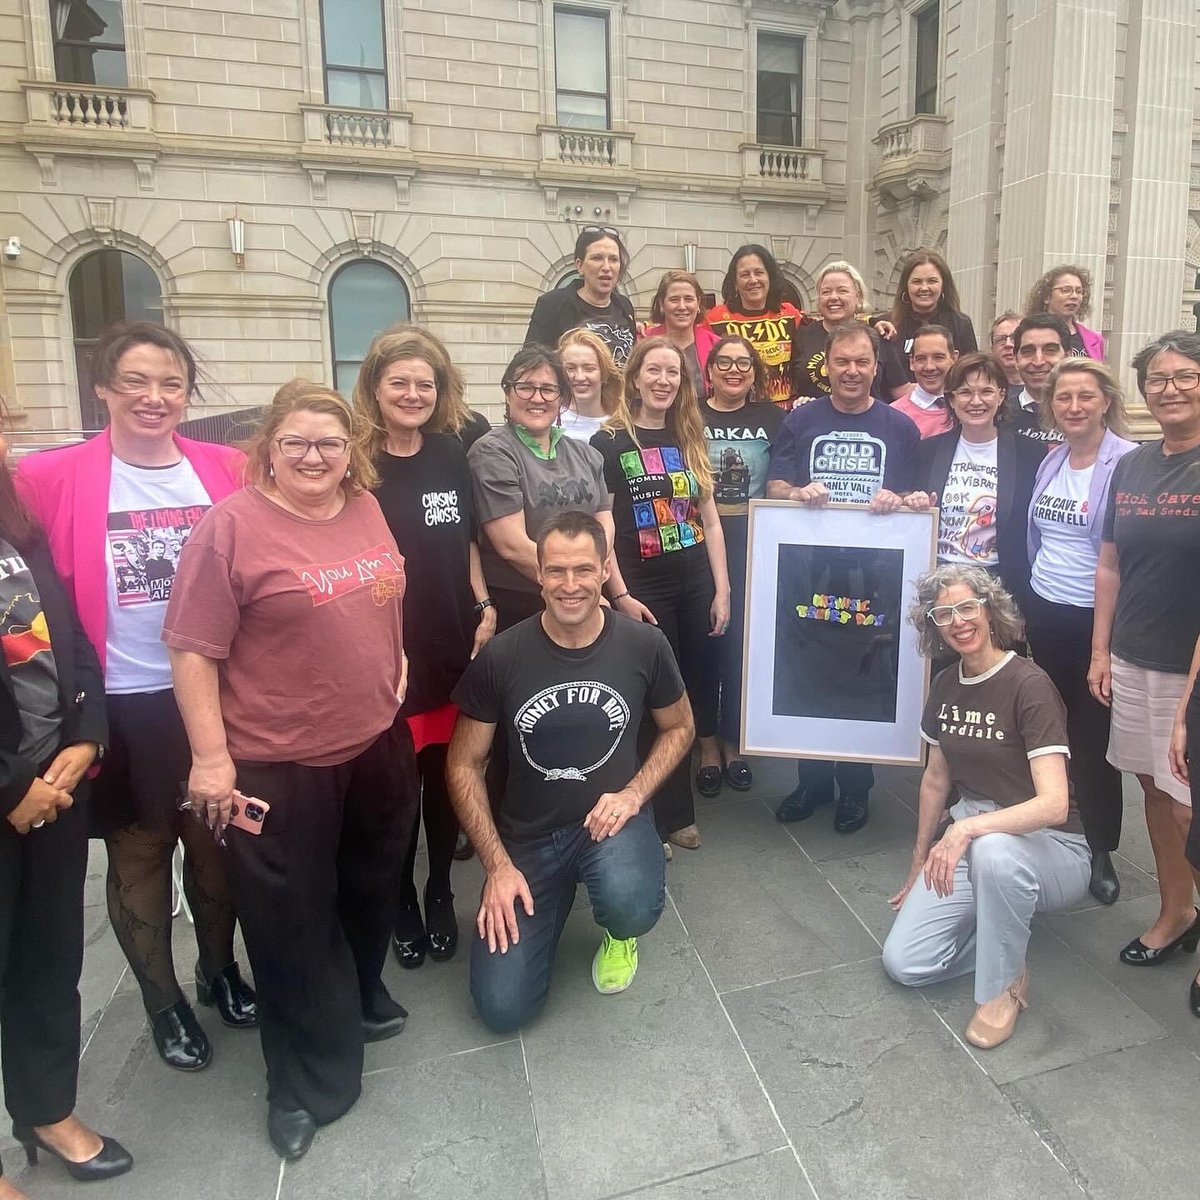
761	1054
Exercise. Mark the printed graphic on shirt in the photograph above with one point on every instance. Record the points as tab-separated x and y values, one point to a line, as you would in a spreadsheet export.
1061	510
741	455
24	633
967	527
441	508
618	338
556	493
663	493
968	723
773	337
145	548
850	463
571	729
1164	504
377	568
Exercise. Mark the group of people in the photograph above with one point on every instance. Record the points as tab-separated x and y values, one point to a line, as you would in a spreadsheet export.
384	613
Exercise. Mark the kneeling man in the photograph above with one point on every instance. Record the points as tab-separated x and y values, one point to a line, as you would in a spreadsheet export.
569	687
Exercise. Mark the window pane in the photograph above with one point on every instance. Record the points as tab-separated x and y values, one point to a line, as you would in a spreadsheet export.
345	375
356	89
581	52
587	112
353	33
98	21
775	129
781	54
86	64
364	298
925	72
780	89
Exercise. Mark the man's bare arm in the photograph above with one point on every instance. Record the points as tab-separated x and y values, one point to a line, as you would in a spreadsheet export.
465	763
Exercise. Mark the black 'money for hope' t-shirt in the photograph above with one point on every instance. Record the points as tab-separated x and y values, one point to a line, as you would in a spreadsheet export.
1153	519
571	717
426	500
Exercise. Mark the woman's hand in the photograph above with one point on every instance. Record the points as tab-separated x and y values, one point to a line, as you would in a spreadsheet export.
914	871
1099	677
485	630
402	686
39	806
815	495
920	501
210	788
718	613
69	765
1177	751
943	858
885	329
631	606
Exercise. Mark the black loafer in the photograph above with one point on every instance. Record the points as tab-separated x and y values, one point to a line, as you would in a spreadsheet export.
463	848
802	803
708	781
382	1017
738	775
1105	885
181	1042
291	1131
234	999
112	1160
851	813
441	927
1138	954
409	942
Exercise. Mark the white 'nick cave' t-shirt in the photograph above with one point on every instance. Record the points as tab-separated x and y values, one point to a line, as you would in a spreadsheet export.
967	526
151	514
1065	567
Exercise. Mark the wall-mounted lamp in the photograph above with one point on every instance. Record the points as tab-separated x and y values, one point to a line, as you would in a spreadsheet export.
237	239
689	257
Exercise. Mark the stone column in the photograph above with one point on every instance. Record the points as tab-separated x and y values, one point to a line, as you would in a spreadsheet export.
865	30
1058	142
1151	234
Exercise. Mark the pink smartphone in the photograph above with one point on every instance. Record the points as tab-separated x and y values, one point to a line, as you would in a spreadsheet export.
248	813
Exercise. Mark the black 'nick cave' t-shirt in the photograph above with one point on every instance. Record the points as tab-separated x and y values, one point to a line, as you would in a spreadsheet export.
571	717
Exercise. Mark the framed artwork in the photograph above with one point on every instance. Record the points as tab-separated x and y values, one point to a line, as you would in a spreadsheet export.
832	669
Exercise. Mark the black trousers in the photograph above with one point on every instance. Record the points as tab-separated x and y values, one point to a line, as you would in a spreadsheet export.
41	956
729	660
316	892
1060	638
851	777
441	828
681	600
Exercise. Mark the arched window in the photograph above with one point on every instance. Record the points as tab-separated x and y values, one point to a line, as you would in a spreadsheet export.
107	286
365	297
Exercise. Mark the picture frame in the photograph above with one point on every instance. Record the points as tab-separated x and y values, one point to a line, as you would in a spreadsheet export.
831	668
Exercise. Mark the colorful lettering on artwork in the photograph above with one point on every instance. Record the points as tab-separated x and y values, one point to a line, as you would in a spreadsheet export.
840	610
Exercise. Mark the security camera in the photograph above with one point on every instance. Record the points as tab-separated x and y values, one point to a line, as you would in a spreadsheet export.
12	249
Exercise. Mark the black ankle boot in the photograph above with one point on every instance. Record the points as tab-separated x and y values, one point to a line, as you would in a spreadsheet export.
1105	885
235	1001
181	1042
441	927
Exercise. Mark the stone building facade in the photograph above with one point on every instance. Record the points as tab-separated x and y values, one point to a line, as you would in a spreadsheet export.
216	175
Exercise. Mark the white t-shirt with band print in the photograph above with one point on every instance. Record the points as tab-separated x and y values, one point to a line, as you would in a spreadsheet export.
1064	570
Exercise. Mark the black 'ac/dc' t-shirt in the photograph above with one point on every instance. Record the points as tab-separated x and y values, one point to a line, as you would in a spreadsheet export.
571	717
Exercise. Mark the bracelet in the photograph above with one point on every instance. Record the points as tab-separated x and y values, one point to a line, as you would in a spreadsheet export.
614	599
486	602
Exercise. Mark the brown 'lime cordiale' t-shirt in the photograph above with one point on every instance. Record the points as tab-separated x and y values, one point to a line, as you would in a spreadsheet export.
305	618
990	727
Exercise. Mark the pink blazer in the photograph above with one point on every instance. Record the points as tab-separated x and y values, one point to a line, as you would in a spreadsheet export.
1093	342
67	491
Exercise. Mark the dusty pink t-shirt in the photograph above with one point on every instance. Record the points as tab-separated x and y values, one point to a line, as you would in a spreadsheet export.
305	618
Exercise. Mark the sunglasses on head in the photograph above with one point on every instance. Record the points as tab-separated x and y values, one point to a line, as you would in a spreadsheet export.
605	229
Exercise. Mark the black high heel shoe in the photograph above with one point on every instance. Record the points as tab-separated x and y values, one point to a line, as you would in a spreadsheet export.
113	1159
234	999
1138	954
181	1042
441	927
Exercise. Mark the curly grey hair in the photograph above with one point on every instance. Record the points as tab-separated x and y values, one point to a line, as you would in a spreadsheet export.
1003	614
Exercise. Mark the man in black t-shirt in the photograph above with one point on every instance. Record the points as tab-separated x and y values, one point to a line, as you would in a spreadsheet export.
569	687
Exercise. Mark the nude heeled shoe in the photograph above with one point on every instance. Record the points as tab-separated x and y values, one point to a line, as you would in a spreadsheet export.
986	1036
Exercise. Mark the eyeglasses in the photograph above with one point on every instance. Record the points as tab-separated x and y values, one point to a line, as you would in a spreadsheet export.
943	614
605	229
990	395
1001	338
1184	381
724	362
1065	290
298	447
527	391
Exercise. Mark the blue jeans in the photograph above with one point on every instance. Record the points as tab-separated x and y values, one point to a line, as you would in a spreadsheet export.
626	881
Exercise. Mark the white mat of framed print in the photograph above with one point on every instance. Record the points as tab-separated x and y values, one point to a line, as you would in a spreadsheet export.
832	669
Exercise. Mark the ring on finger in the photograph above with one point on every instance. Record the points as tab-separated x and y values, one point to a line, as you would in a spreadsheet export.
38	824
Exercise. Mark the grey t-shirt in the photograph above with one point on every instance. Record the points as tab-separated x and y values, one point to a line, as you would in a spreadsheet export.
507	477
30	657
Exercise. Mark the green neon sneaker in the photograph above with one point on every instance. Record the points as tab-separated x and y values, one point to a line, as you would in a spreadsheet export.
615	964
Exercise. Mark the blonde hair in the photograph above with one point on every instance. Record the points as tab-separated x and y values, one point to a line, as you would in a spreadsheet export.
683	417
1114	418
611	379
841	267
450	411
302	395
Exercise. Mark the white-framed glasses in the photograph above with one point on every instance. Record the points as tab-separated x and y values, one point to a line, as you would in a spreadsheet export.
943	614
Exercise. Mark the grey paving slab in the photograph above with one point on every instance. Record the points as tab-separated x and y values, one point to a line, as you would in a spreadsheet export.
1097	935
1126	1123
866	882
773	1176
874	1091
459	1128
656	1071
755	908
1074	1014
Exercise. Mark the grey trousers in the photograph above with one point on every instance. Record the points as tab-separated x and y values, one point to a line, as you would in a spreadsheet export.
983	925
